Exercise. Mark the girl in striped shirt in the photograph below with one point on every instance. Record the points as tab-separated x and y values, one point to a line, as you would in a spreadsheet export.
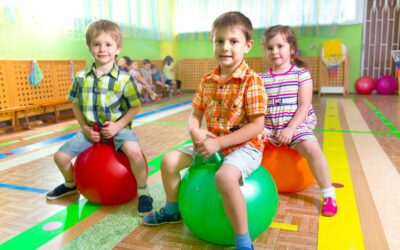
290	118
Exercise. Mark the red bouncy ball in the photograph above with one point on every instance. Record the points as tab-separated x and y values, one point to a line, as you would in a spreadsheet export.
104	176
386	85
288	168
365	85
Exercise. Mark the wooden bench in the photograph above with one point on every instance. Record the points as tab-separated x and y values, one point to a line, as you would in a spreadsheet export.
54	103
15	110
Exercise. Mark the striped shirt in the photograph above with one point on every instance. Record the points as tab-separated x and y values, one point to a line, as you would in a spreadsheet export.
228	105
282	90
104	98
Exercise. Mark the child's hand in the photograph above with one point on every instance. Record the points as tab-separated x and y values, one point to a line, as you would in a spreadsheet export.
94	136
286	135
109	129
208	147
200	135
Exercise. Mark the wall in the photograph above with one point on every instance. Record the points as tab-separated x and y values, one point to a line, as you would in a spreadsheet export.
351	35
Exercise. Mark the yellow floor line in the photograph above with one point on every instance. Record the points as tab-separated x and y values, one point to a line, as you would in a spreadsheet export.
382	176
289	227
344	230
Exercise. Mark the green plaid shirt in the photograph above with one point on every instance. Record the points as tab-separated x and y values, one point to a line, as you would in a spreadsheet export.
104	98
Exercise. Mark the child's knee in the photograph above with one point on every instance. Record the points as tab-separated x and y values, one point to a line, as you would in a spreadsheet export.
62	159
132	151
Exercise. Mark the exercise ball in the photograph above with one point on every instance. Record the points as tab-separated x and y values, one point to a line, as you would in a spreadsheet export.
386	85
288	168
201	205
104	176
365	85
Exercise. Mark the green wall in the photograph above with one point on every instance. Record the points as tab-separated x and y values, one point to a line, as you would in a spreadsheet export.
351	36
33	44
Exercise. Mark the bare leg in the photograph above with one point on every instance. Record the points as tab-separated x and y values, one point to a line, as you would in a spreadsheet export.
64	164
311	150
138	163
227	179
172	163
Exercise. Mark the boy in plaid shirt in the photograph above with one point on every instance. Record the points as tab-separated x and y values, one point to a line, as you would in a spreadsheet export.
107	96
233	102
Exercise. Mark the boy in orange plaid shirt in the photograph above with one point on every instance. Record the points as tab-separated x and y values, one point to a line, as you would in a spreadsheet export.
233	101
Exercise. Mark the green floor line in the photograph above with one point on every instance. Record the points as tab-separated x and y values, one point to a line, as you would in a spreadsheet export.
8	143
68	128
383	118
353	131
36	236
37	135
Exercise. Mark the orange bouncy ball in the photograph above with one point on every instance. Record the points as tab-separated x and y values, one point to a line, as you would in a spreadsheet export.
104	176
288	168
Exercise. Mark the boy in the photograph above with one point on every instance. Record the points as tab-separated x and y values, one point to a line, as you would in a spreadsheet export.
107	96
232	100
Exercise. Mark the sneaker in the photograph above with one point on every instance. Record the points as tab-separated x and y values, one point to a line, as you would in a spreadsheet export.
145	205
161	217
329	207
61	191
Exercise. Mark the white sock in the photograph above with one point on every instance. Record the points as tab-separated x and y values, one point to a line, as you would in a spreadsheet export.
69	184
143	191
328	192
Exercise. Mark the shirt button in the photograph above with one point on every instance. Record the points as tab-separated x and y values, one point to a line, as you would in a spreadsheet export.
221	87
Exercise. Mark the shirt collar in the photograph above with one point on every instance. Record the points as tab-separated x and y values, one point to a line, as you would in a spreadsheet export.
238	73
113	72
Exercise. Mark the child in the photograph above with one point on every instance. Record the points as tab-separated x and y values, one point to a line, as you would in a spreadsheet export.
169	72
107	96
290	117
146	72
233	102
145	88
123	63
158	80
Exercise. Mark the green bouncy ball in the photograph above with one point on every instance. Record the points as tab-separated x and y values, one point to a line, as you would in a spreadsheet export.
201	205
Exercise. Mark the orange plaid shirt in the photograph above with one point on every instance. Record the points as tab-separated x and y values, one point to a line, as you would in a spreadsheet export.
228	105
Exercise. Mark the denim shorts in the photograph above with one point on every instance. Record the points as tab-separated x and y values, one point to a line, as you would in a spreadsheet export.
246	159
80	143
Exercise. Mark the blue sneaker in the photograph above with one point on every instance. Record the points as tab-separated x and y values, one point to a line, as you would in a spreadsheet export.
161	217
145	205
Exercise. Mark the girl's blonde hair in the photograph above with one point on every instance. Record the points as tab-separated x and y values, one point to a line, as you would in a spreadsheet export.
288	35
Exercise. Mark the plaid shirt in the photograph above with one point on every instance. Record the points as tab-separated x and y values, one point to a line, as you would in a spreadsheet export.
228	105
104	98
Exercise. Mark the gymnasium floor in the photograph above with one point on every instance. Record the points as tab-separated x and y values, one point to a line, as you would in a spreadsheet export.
359	135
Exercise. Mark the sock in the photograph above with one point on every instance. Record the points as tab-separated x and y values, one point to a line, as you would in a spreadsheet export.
242	240
328	192
143	191
69	184
171	208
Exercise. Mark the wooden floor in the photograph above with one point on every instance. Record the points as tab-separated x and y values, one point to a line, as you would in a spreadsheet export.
359	135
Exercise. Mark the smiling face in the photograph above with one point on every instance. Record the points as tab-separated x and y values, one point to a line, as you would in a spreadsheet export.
230	46
279	53
104	48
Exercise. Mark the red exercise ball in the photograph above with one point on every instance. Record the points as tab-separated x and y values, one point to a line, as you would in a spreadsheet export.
365	85
104	176
289	169
386	85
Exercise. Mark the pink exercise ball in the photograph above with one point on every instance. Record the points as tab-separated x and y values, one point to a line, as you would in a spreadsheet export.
386	85
365	85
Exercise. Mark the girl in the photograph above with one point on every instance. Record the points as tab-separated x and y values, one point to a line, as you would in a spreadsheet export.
290	117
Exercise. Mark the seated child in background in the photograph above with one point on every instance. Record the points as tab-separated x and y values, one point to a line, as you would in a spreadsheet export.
123	63
113	114
146	73
158	80
169	71
233	101
146	90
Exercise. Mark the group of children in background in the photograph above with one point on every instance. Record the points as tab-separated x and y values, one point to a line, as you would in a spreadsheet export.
240	108
151	82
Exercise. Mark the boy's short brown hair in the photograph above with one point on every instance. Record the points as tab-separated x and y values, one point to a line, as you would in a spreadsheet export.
234	18
107	26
